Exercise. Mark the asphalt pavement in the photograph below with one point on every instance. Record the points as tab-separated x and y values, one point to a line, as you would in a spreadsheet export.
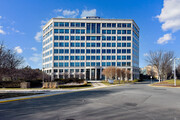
128	102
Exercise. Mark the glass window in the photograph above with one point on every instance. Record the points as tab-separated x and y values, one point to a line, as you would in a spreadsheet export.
61	24
82	37
108	24
108	44
113	37
93	26
118	57
118	31
61	30
82	51
123	44
77	24
128	57
72	31
97	57
60	64
129	25
119	25
93	37
118	50
87	27
77	57
66	44
82	65
82	24
113	50
113	57
93	45
77	37
118	38
128	38
103	57
113	24
97	63
123	50
72	24
108	64
71	64
93	58
56	24
93	50
123	31
124	25
72	37
55	50
128	50
113	31
97	50
61	44
82	44
82	58
123	63
98	38
72	44
108	37
61	50
103	37
108	57
88	45
66	50
87	50
108	50
103	64
118	63
55	44
55	30
88	58
87	63
61	37
118	44
66	64
55	57
66	57
108	31
92	63
82	31
72	57
77	31
66	24
87	37
66	37
128	44
98	45
123	57
66	30
77	50
103	24
77	44
113	64
61	57
128	63
55	37
72	50
128	31
103	31
103	50
103	44
55	64
98	28
124	38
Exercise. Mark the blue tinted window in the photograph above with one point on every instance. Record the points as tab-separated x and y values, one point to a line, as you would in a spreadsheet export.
103	57
61	57
82	44
55	44
103	64
82	24
98	38
55	50
128	38
77	24
72	44
87	50
103	44
72	57
82	31
108	57
97	57
118	57
66	24
108	31
119	25
55	57
118	38
123	24
108	50
103	31
97	50
93	58
66	64
93	51
103	50
71	64
92	63
93	26
56	24
72	31
87	27
88	45
123	50
103	37
82	58
128	44
82	64
77	64
66	30
113	57
113	37
66	37
82	37
108	64
93	37
129	25
128	31
98	27
123	31
82	51
113	64
72	50
87	37
77	37
72	37
128	50
77	31
123	38
118	50
128	63
61	24
61	37
113	31
113	24
118	44
113	50
87	63
72	24
128	57
66	50
61	30
103	24
108	37
55	64
98	64
118	63
108	24
98	45
60	64
88	58
123	63
77	44
77	51
55	37
66	44
108	44
123	57
77	57
123	44
93	45
61	44
118	31
66	57
55	30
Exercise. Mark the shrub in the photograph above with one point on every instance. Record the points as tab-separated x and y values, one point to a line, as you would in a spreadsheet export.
10	84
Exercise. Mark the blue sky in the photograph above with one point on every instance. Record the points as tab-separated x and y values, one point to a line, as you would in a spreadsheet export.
21	22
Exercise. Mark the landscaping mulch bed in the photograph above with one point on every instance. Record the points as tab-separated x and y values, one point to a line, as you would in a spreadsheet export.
10	95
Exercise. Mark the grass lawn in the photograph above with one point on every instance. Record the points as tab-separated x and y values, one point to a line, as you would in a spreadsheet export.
10	95
168	83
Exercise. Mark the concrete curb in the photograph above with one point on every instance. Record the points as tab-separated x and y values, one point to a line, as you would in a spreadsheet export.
162	86
48	94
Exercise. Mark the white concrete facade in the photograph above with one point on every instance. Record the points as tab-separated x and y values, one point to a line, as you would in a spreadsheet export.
103	53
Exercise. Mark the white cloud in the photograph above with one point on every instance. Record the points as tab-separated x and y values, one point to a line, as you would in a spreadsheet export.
38	36
18	49
34	49
58	10
2	31
70	13
165	39
146	54
170	15
88	13
36	57
0	17
60	16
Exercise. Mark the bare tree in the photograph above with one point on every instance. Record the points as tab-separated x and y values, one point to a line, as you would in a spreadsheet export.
110	72
162	62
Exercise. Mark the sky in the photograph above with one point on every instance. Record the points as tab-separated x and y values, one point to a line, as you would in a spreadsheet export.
21	22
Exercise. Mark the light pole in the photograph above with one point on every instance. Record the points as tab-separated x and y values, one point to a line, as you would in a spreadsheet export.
175	69
43	74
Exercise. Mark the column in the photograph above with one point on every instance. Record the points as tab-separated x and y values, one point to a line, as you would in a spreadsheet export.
90	74
85	74
100	73
95	73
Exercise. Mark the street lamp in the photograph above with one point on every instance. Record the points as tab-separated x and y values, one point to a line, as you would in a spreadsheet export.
175	69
